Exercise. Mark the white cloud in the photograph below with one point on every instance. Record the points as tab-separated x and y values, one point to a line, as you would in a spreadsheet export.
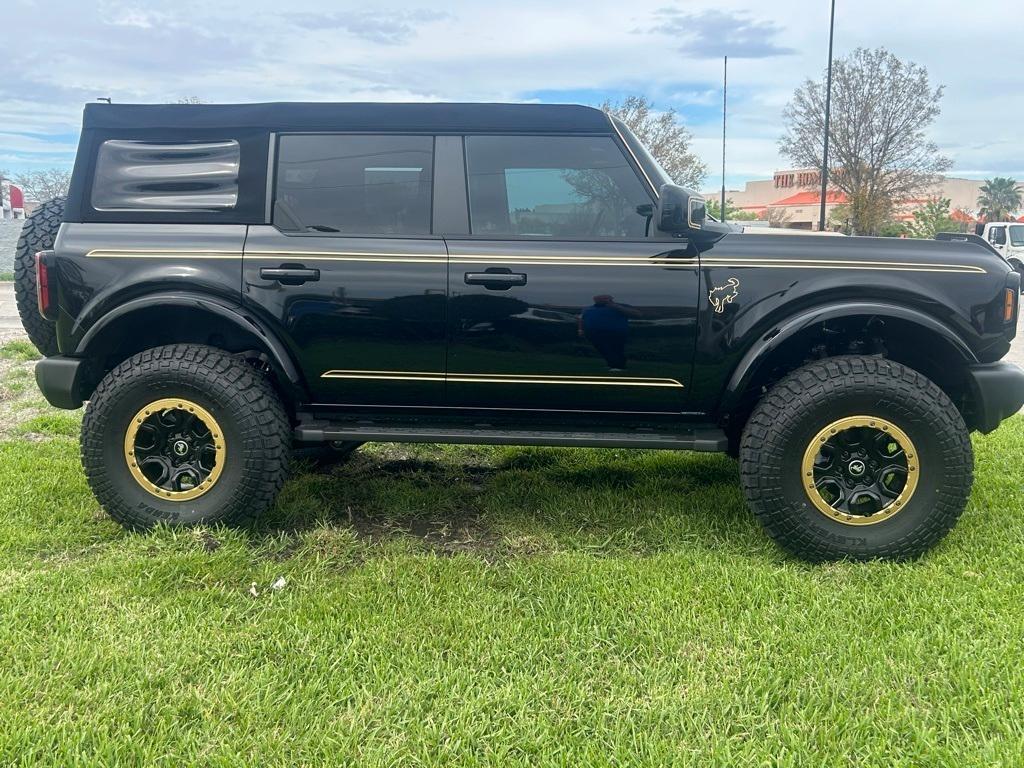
714	33
71	51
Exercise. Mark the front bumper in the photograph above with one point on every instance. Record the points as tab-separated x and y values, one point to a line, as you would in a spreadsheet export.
60	380
998	393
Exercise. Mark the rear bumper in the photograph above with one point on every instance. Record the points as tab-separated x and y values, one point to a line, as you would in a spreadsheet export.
998	393
60	379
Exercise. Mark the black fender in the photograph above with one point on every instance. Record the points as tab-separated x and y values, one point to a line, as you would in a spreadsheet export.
767	343
230	311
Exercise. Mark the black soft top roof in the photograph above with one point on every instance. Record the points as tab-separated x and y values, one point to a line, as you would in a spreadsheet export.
352	116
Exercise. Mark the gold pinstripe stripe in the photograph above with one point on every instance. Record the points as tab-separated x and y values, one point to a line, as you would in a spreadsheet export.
610	382
557	263
554	260
403	375
422	258
893	266
457	256
494	378
347	255
467	258
101	253
365	258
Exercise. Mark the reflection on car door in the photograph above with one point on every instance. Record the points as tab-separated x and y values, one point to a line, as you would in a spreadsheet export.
558	300
350	273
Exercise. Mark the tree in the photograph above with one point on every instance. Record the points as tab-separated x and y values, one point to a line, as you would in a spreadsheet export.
839	219
44	185
664	136
879	154
731	212
1000	199
931	218
893	229
777	218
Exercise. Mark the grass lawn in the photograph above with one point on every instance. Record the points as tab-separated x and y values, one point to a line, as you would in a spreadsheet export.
506	606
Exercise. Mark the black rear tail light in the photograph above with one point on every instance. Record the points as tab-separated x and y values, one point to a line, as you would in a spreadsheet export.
46	287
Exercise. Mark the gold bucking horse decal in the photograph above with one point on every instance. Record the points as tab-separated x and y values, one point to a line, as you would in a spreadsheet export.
724	294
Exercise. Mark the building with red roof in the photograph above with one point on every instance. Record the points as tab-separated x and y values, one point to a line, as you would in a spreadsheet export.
792	198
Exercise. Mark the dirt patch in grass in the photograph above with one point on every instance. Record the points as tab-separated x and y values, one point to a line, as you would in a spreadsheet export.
24	413
19	398
387	493
446	532
445	535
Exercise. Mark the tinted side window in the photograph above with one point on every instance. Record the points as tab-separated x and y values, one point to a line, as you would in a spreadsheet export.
370	185
152	176
997	235
553	186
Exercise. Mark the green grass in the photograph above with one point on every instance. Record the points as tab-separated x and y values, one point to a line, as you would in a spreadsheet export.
20	350
6	277
499	606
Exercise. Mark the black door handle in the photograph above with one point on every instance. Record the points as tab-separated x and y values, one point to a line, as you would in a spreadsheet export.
496	279
290	275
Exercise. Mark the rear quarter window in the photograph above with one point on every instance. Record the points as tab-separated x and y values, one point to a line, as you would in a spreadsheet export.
166	177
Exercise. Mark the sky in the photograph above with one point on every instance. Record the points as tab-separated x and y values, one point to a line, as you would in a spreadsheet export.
60	54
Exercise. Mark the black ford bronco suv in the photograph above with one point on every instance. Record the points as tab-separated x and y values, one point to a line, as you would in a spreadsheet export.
232	280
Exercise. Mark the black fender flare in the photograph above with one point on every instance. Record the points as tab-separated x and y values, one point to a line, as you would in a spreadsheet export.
767	343
228	310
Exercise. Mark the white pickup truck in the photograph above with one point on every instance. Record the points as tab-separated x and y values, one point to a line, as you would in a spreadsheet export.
1007	237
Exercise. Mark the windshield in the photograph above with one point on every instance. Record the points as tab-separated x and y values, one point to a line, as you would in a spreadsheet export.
1017	235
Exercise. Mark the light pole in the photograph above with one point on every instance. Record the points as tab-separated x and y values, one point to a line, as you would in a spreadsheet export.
828	115
725	86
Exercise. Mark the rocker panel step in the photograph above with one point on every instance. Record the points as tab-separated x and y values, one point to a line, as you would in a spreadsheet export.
698	438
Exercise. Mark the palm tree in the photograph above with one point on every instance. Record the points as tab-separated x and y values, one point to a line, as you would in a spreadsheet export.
999	199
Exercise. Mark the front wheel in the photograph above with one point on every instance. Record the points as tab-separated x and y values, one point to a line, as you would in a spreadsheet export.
856	457
184	434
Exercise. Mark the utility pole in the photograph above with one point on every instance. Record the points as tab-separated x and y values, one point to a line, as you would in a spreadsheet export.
725	88
828	115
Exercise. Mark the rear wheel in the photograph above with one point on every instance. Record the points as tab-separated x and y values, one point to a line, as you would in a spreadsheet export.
37	234
184	434
856	457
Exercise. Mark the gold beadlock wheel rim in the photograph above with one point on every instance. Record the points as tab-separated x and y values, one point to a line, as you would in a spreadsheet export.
175	449
860	457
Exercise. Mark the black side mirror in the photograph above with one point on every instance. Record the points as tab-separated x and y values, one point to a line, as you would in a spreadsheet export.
673	210
680	210
684	212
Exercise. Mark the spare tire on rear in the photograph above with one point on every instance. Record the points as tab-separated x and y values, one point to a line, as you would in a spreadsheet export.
37	234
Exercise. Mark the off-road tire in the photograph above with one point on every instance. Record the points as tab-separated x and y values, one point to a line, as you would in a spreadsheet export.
255	428
808	400
37	234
